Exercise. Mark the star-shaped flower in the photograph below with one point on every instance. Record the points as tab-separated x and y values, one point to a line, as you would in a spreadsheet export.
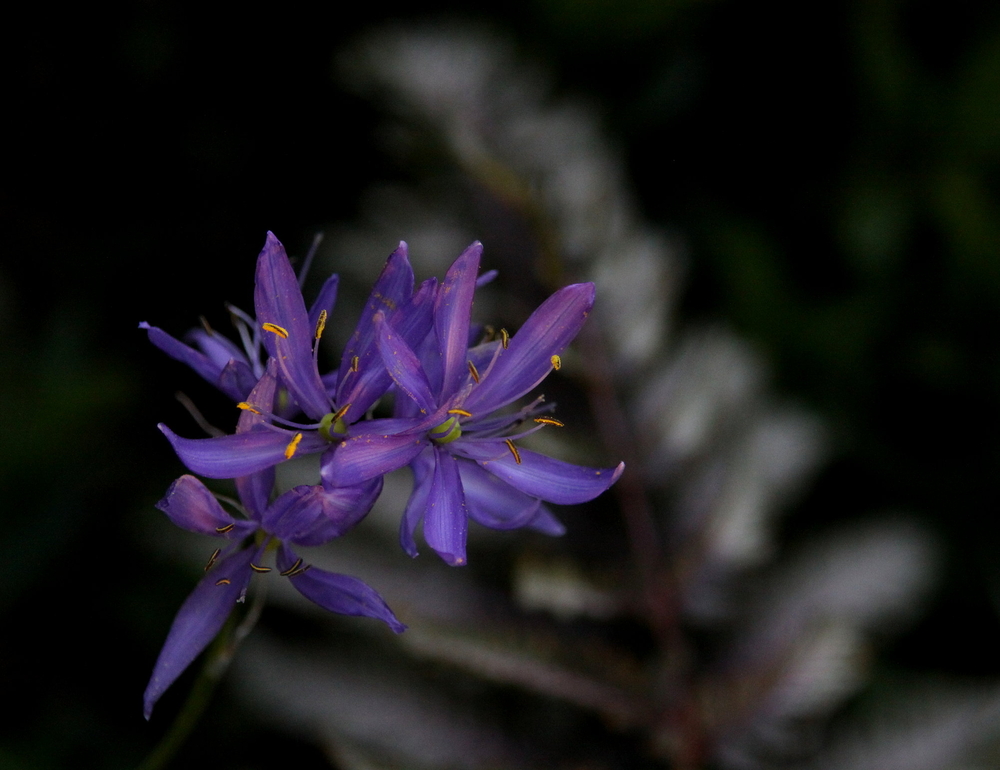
462	454
290	336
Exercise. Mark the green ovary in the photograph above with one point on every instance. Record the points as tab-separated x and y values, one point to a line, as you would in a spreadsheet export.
446	432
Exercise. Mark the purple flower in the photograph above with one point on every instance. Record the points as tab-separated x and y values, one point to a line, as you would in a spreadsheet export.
463	456
290	336
303	516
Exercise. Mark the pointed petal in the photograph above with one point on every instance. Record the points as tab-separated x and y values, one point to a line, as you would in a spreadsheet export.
446	519
528	358
423	476
411	321
368	455
393	287
452	311
403	365
208	368
540	476
227	457
198	621
191	506
342	594
325	300
278	301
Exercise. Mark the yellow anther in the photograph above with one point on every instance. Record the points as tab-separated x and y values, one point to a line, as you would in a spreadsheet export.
293	568
298	571
339	414
504	338
247	407
275	329
261	570
223	582
460	412
474	372
225	529
292	446
556	362
320	324
549	421
354	364
212	558
513	450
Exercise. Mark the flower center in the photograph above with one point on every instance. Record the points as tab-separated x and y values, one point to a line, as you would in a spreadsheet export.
446	432
333	427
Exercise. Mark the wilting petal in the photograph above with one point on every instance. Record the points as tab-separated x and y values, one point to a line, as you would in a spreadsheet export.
278	301
342	594
403	365
226	457
314	515
540	476
452	310
423	476
446	519
528	358
368	455
191	506
198	621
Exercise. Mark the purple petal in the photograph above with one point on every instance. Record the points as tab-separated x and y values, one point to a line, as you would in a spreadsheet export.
411	321
206	367
236	380
403	365
493	502
393	287
314	515
342	594
423	476
446	519
452	310
528	358
368	455
226	457
255	489
191	506
325	300
540	476
198	621
278	301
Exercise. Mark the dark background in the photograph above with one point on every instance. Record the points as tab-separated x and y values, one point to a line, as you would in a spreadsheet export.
834	172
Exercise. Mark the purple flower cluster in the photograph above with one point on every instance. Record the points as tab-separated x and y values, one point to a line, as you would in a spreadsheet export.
450	425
